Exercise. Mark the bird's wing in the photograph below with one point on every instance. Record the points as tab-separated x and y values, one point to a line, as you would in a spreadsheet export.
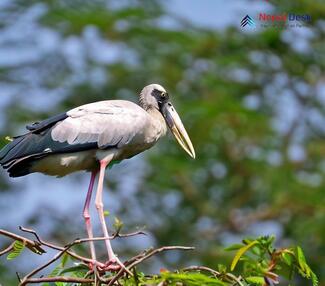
101	125
38	127
107	123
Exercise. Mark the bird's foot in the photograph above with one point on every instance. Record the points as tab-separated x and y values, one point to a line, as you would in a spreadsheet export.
113	265
95	264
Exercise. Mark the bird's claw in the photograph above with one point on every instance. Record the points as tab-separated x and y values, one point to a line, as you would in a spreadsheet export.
95	264
112	265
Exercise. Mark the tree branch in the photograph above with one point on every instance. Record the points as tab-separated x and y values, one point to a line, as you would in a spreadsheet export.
38	244
59	279
30	244
7	249
143	256
25	280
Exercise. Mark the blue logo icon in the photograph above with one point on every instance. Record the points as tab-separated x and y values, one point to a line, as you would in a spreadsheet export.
247	20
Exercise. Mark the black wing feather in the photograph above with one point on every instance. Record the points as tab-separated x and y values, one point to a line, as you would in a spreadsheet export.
47	123
18	155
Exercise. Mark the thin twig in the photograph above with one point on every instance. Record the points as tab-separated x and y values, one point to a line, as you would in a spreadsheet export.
18	277
122	235
236	279
215	273
115	235
144	256
7	249
82	240
53	246
202	268
30	244
25	280
159	250
36	247
78	241
57	279
29	230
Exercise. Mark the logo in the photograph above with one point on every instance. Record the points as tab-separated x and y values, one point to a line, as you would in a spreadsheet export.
284	17
247	20
274	18
284	20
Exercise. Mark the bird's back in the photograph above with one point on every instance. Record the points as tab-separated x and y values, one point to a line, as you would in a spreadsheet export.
66	142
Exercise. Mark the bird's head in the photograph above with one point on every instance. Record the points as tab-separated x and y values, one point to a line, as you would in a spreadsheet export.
155	96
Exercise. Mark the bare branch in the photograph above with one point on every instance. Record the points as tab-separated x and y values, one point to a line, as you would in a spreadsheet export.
53	246
143	256
58	279
202	268
82	240
156	251
38	269
7	249
30	244
28	230
120	235
229	276
37	245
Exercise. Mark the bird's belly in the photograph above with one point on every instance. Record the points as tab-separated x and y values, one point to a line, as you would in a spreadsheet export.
129	151
63	164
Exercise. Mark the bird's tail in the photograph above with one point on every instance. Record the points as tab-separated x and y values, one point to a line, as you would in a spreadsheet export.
17	156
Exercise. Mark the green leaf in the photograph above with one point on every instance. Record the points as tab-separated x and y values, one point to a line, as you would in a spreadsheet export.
240	252
302	262
314	279
256	250
17	250
255	280
222	268
64	259
106	213
287	258
301	258
191	279
55	271
304	268
118	224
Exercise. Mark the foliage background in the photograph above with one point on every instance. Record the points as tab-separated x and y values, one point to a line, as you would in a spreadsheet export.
252	100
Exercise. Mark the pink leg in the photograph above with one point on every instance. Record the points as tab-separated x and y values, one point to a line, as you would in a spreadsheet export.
113	260
86	215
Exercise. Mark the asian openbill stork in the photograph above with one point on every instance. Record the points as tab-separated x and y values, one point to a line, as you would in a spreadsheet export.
90	137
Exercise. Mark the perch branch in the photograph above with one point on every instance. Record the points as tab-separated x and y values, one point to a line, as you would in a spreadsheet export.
38	244
25	280
78	241
144	256
59	279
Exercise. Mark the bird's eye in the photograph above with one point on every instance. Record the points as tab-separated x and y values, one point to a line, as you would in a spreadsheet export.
163	94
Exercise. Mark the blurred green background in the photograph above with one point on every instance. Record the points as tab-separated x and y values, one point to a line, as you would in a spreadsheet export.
252	100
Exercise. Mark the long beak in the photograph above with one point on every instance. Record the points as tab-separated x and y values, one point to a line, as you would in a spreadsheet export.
177	128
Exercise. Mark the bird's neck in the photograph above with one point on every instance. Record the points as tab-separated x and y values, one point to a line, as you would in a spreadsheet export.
156	115
158	122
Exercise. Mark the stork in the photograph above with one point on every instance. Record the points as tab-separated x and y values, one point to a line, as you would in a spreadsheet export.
91	137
